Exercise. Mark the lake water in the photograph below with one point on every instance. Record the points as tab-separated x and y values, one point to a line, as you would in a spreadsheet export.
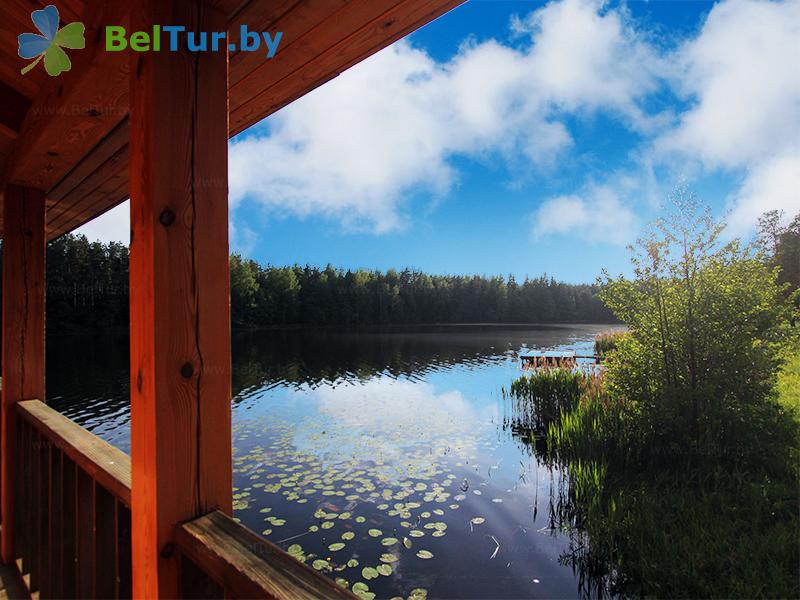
388	460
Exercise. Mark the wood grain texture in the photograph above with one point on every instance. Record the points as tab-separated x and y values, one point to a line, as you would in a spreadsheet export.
321	39
76	110
248	566
22	332
356	31
107	465
180	302
94	160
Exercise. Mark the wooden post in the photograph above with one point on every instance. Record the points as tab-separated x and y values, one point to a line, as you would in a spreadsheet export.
23	332
180	297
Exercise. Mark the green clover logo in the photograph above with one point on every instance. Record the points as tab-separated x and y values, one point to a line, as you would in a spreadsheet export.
49	44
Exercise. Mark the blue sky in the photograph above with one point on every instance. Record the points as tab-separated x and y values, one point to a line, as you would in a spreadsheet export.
524	138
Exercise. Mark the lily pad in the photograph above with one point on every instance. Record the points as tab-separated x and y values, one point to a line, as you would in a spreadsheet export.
375	533
369	573
336	547
321	565
425	554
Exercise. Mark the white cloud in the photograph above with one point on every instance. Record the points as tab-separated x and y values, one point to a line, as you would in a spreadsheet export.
112	226
741	73
774	184
597	215
355	149
583	56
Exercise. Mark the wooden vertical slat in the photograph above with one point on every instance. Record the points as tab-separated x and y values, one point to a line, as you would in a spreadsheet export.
85	535
56	524
105	576
68	541
124	546
22	335
23	492
180	303
44	518
36	509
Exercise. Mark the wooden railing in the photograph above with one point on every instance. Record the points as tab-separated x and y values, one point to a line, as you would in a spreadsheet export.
73	518
74	527
221	558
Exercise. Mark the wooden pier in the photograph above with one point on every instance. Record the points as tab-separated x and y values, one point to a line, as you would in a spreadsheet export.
556	359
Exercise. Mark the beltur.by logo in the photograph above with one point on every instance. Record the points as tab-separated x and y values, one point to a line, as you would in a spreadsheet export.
51	43
117	39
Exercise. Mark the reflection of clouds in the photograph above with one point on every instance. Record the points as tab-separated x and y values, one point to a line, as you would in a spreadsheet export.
384	403
382	417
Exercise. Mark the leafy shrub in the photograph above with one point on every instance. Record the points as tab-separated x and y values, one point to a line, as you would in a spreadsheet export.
707	325
684	463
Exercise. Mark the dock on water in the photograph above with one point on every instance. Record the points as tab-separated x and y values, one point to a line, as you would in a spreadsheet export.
555	359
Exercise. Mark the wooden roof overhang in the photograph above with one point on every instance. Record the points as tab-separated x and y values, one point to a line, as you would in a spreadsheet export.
68	135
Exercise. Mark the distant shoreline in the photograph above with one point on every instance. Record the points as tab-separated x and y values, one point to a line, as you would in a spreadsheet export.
411	327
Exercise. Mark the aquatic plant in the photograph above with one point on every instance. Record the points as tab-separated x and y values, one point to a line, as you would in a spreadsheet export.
542	396
606	342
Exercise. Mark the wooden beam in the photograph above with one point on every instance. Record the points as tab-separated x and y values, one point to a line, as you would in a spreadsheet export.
23	333
248	566
180	300
75	125
374	24
77	109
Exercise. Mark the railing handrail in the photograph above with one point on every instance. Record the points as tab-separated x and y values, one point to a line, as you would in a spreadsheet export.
109	466
248	566
245	564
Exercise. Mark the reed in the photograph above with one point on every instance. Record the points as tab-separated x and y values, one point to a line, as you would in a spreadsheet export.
542	397
606	342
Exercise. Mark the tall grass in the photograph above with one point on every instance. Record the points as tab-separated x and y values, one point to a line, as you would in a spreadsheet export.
540	398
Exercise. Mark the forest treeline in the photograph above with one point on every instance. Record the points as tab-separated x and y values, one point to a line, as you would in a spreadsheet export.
266	296
87	291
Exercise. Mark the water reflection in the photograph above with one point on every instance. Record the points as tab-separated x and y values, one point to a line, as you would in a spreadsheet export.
339	436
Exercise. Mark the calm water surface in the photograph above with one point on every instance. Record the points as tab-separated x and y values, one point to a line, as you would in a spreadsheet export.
385	460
